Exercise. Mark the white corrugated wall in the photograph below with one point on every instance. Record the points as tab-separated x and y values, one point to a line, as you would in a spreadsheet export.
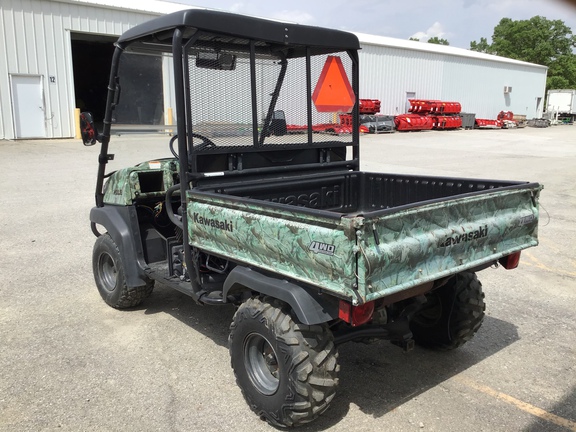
388	73
479	86
35	38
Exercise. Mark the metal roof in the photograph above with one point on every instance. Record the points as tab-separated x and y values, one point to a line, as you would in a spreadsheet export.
438	49
159	7
156	7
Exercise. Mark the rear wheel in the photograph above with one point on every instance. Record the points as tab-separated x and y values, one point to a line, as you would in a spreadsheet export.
111	279
452	314
287	371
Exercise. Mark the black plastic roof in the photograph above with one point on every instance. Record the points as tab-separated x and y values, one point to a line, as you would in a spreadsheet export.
275	34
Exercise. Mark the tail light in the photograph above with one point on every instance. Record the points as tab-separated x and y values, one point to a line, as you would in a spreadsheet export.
355	315
511	261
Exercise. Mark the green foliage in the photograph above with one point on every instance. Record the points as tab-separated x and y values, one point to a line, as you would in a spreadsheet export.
537	40
482	46
438	41
414	39
564	67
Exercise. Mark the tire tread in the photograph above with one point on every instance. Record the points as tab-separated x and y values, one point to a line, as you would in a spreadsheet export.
127	297
463	302
312	363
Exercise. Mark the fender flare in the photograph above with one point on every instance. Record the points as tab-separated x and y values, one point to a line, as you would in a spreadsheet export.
310	306
121	222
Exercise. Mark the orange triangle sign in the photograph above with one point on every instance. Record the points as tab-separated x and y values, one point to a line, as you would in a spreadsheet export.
333	91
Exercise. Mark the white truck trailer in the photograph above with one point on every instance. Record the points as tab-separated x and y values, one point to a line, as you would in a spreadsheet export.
561	105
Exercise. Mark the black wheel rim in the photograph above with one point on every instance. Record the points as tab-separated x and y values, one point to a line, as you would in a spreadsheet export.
107	272
261	364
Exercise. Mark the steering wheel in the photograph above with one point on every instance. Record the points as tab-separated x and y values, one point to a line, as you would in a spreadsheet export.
206	142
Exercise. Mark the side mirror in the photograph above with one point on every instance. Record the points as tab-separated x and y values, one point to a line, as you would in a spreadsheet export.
88	129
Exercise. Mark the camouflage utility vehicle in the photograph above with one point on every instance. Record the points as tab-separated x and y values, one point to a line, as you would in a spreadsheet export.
248	204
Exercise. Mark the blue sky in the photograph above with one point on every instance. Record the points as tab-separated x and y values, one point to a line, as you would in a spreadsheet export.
458	21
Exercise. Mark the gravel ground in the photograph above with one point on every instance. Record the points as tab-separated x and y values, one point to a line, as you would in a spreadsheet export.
70	362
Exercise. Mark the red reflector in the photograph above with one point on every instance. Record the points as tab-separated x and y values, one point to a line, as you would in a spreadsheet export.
355	315
511	261
362	314
345	311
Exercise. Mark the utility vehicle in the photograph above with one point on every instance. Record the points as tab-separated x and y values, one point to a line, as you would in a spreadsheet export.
283	225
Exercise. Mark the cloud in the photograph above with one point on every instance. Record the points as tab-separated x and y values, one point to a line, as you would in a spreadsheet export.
236	7
435	30
461	20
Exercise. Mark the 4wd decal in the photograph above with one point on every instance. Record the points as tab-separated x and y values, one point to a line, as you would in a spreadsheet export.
214	223
526	220
466	237
322	248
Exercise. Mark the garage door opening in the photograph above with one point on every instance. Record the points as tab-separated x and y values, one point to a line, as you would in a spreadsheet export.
140	76
91	60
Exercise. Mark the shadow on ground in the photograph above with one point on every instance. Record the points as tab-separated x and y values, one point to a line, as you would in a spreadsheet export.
376	377
565	410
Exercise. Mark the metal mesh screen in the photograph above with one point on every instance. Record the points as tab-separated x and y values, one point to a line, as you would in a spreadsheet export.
221	102
145	81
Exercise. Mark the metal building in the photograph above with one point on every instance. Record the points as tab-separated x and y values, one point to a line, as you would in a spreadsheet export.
55	57
395	70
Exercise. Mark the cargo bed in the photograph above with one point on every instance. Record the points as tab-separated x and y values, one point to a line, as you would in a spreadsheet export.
364	235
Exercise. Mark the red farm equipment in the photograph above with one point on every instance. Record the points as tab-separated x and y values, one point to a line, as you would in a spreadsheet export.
488	124
446	122
442	115
447	108
368	106
413	122
422	106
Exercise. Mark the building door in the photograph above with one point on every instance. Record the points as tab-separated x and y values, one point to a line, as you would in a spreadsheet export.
409	95
28	106
538	110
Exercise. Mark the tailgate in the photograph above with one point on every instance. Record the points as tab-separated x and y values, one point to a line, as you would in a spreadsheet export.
403	248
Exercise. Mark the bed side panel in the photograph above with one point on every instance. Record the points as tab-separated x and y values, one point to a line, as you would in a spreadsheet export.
317	252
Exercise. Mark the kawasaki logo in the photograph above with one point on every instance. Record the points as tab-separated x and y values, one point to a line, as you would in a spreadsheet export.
214	223
325	197
323	248
466	237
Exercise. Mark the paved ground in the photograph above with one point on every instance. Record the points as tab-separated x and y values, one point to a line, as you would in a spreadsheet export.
69	362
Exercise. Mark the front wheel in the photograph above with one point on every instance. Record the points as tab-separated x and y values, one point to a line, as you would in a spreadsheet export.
287	371
110	277
451	315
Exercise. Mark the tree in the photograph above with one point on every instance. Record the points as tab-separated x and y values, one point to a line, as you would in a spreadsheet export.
537	40
414	39
438	41
482	46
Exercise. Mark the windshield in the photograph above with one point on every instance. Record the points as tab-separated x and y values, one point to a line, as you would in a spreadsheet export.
220	100
146	100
